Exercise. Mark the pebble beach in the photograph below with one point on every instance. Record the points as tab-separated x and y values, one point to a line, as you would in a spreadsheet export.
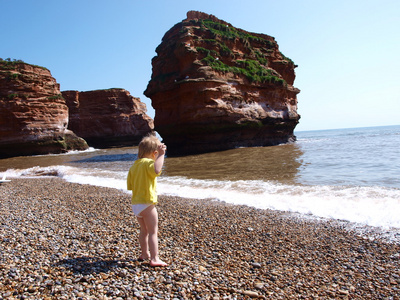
62	240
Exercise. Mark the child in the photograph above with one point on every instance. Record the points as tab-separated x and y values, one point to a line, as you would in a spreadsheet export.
142	180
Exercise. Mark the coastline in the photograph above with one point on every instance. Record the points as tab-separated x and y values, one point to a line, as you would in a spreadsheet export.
64	240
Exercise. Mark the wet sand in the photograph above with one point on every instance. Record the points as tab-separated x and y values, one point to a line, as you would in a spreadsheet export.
63	240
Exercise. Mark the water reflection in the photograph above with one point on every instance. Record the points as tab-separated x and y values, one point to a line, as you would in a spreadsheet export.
278	163
85	158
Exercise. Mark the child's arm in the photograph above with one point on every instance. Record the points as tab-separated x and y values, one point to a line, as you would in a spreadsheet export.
160	158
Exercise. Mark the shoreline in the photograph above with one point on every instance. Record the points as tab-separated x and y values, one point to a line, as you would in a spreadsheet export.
63	240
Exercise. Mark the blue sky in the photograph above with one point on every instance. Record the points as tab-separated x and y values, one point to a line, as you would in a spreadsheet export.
347	50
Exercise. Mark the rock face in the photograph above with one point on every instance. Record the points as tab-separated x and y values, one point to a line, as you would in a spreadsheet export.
33	113
217	87
106	118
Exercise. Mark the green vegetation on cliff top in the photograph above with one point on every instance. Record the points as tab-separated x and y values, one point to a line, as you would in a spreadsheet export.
254	69
249	68
229	32
11	64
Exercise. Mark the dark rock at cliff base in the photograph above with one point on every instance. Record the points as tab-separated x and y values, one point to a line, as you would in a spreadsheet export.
106	118
217	87
33	113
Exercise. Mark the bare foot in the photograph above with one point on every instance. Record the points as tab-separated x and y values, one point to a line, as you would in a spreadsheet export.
158	263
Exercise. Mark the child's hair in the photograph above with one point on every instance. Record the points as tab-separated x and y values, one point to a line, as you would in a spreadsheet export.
148	145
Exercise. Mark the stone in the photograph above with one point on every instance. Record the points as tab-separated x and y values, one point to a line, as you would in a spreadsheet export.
33	113
106	118
343	292
259	285
216	87
202	269
250	294
310	259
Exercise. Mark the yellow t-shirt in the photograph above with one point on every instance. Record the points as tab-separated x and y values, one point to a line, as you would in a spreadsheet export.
142	180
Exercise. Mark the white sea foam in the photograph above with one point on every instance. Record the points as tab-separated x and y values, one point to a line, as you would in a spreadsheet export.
373	206
71	152
95	177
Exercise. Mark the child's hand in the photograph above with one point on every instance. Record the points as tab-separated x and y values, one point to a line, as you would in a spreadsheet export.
161	149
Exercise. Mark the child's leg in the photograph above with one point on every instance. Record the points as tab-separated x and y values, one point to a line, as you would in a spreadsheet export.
143	240
150	218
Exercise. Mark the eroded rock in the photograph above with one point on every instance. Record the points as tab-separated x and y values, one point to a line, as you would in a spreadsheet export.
107	118
216	87
33	113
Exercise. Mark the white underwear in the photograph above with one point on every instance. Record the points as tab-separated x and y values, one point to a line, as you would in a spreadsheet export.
138	208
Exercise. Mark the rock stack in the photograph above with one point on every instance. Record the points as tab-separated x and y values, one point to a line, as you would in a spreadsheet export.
217	87
37	118
33	113
106	118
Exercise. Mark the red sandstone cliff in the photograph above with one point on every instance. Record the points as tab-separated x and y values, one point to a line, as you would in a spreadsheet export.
33	113
107	118
217	87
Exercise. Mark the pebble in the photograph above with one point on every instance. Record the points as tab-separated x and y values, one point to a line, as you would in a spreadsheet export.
251	294
256	265
63	240
259	285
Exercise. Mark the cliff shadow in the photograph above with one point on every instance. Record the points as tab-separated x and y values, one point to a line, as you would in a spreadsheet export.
274	163
108	158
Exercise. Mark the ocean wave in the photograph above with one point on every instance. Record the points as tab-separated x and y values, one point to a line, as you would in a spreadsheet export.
70	152
373	206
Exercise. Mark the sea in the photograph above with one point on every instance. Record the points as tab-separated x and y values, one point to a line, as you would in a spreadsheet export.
348	175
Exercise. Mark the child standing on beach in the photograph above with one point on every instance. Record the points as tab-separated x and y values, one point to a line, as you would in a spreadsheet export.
142	180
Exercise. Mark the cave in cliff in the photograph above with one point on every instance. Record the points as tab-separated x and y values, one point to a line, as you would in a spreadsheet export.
216	87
